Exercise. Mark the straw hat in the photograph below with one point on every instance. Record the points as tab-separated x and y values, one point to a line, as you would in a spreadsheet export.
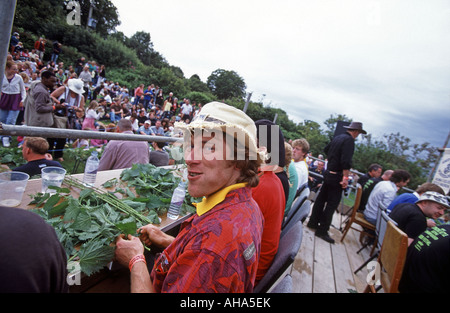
221	116
76	85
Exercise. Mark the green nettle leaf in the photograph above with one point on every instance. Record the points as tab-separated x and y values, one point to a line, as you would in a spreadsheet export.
83	222
72	210
88	225
129	228
94	255
51	202
59	209
86	192
110	183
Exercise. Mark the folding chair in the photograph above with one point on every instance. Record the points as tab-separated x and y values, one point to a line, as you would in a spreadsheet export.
284	286
391	260
287	250
300	215
358	217
380	230
302	195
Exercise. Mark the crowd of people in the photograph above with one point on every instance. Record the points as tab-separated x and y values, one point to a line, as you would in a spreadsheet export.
231	241
81	98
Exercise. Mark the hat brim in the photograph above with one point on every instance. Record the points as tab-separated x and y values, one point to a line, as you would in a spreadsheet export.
77	91
362	131
446	205
230	129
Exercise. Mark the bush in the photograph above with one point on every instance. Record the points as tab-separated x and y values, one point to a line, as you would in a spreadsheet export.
200	97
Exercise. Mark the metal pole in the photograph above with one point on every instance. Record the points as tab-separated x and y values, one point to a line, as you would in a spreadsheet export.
275	118
7	9
15	130
247	102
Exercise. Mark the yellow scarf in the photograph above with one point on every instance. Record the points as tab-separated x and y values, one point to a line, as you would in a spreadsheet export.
211	201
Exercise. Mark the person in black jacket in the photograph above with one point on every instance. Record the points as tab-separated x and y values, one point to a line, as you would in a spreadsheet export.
34	150
32	259
340	154
427	263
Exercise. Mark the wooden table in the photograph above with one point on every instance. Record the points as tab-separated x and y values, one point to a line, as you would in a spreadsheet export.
115	278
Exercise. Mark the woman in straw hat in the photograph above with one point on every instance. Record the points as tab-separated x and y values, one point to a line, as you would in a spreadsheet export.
71	98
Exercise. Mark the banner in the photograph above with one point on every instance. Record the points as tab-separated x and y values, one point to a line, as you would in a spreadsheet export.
442	174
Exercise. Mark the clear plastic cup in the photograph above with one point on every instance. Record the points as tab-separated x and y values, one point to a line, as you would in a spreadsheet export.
52	176
12	187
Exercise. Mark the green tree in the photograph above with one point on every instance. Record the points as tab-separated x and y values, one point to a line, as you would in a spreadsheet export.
312	132
226	84
196	84
103	12
141	43
38	16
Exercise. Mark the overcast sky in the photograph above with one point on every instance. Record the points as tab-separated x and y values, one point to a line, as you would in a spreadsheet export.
385	63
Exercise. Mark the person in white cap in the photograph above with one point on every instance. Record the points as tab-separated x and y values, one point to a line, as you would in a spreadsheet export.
412	217
218	248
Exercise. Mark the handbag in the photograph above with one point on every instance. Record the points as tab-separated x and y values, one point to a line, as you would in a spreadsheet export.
59	121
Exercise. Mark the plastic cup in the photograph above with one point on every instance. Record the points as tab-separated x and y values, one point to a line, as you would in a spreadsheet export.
12	187
52	176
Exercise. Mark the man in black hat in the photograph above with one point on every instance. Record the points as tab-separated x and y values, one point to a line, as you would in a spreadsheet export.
340	153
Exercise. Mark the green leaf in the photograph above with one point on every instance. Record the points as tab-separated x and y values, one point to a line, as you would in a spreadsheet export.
59	209
86	192
72	210
129	228
94	255
51	202
110	183
83	222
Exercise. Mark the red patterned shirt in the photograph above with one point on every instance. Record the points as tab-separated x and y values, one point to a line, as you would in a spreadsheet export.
217	251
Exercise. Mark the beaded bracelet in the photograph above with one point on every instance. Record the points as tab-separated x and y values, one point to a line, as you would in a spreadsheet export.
134	260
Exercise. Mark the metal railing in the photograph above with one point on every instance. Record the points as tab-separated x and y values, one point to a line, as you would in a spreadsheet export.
46	132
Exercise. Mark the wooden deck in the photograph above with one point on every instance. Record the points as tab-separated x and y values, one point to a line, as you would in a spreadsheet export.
321	267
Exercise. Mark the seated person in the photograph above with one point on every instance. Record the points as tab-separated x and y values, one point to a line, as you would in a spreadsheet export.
159	157
34	150
33	260
427	267
411	218
369	186
145	129
383	193
414	196
157	130
99	142
218	248
315	182
270	195
300	148
123	153
142	117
